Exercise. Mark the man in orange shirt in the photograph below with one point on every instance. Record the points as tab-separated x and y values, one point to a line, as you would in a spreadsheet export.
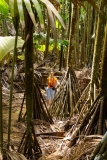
50	90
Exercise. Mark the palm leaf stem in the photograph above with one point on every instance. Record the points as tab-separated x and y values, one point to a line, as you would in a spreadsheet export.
11	86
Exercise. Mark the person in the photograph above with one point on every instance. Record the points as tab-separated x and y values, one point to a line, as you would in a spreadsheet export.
50	90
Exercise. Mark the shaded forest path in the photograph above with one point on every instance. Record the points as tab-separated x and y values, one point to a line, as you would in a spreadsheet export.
55	143
48	143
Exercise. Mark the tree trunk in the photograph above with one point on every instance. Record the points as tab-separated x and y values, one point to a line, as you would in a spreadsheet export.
29	71
103	79
72	37
97	50
47	39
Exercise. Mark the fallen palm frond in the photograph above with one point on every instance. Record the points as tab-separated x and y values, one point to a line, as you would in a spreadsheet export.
12	155
81	101
51	134
100	152
83	148
93	122
66	97
80	151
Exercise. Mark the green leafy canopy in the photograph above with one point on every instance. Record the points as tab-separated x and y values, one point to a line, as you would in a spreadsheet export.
4	8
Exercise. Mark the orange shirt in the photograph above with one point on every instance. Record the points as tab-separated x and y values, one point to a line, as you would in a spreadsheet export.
52	82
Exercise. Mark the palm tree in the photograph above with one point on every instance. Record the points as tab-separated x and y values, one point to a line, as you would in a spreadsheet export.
97	50
24	11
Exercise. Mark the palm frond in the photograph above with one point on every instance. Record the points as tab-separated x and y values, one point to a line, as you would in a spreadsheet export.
21	12
7	45
13	8
51	18
55	12
39	12
11	155
29	9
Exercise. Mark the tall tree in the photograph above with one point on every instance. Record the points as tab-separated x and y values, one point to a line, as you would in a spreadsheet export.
97	50
73	21
29	85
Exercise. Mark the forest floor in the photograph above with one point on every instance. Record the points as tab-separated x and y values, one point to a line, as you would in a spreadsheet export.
51	145
48	144
17	128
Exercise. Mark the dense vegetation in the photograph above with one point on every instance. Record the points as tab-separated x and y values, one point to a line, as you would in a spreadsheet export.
66	36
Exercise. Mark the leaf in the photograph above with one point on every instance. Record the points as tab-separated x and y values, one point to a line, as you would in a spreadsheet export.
13	8
21	13
52	8
56	134
22	157
15	155
7	44
39	12
57	24
41	48
21	57
62	42
4	8
51	18
29	9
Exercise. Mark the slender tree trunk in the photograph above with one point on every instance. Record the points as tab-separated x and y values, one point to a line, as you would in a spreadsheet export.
16	25
103	79
72	37
77	40
69	20
83	55
47	39
97	50
29	71
89	33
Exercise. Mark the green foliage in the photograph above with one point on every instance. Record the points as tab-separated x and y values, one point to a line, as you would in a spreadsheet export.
7	45
40	41
39	12
42	47
82	11
58	25
16	9
4	8
21	57
62	42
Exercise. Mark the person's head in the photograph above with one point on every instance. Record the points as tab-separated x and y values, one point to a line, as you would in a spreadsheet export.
52	74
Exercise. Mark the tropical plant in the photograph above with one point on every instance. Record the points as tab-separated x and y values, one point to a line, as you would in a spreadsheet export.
7	45
25	10
3	8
